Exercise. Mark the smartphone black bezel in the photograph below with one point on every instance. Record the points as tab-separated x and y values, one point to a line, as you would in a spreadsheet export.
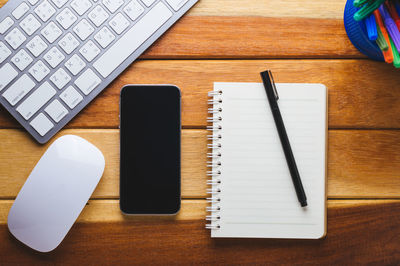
149	87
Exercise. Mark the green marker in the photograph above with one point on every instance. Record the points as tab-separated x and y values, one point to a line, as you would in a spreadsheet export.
381	42
359	3
367	9
396	56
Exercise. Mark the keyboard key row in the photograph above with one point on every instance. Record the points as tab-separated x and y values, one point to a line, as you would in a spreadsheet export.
132	39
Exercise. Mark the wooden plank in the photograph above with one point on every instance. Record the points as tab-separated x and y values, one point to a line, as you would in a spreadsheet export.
359	232
270	8
16	167
371	102
252	36
361	163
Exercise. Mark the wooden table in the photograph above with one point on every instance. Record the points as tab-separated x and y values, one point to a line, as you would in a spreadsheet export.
233	40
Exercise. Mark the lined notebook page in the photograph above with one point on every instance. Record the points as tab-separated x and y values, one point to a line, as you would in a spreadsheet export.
258	199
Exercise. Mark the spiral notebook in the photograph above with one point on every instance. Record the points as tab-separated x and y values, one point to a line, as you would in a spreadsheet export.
252	194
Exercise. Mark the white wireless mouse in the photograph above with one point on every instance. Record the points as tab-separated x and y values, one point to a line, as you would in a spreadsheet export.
55	193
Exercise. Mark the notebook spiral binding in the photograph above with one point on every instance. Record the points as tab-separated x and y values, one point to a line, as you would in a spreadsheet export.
214	162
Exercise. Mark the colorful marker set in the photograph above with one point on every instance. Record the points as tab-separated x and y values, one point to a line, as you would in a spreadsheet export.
382	22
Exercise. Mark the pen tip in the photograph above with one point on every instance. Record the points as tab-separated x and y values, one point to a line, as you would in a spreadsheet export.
303	204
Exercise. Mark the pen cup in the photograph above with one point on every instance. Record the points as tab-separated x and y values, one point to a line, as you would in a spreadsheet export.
357	33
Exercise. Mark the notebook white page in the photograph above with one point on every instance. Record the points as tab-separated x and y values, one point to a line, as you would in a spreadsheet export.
257	196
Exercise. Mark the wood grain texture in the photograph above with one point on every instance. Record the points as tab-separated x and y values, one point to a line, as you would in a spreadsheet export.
372	101
249	35
361	163
359	232
16	167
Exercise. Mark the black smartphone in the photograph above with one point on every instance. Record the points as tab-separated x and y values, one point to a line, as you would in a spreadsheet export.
150	149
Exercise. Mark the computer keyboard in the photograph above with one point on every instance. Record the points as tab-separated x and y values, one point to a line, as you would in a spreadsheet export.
57	55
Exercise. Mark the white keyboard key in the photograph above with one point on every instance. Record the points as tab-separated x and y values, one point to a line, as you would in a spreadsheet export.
81	6
119	23
177	4
132	39
7	74
19	89
51	32
22	59
36	100
71	97
75	64
45	10
88	81
83	29
36	46
20	11
33	2
59	3
56	111
98	15
15	38
68	43
66	18
89	51
41	124
30	24
54	57
148	2
39	71
104	37
133	10
113	5
4	52
60	78
6	24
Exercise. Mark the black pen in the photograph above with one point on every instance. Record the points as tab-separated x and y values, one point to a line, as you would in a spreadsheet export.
273	98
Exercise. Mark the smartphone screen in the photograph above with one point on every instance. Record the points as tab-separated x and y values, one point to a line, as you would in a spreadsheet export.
150	136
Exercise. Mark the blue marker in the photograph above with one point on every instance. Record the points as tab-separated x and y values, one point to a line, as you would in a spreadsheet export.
370	23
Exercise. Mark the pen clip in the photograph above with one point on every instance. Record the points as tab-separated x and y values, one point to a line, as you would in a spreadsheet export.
271	78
